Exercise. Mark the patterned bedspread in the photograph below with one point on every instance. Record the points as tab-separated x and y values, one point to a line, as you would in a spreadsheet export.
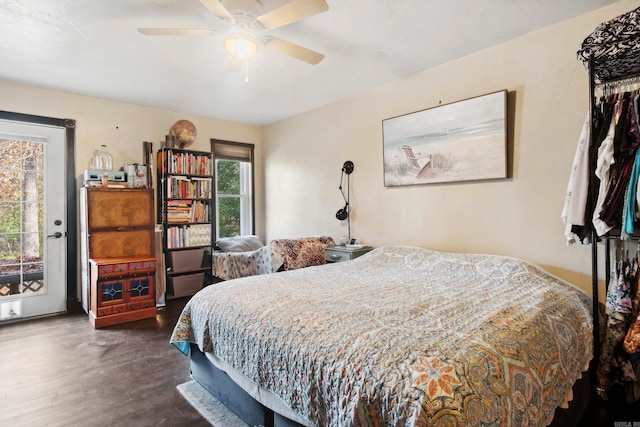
402	336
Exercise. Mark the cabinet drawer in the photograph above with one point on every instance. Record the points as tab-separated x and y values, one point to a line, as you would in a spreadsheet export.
112	268
139	305
103	311
142	265
116	309
335	256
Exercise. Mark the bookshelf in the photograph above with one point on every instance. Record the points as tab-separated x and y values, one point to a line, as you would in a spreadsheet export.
185	210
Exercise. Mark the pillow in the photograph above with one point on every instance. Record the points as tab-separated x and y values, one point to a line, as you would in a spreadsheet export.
239	244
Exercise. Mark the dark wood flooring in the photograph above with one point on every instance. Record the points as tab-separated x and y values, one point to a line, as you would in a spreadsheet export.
60	371
614	412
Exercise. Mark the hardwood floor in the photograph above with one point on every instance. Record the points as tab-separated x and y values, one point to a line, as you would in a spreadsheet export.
614	412
60	371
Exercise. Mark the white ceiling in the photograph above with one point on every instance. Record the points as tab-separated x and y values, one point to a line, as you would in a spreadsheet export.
92	47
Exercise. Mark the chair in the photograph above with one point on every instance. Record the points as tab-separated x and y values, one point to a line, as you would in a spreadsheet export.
413	160
247	256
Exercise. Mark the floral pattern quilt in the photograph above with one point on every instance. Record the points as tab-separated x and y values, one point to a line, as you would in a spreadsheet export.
402	336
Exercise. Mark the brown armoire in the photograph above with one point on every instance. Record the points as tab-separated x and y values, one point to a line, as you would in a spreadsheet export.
117	254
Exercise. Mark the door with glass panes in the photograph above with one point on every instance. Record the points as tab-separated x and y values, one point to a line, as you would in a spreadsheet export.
32	215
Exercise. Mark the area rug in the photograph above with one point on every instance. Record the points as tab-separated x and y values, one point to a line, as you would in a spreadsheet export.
212	410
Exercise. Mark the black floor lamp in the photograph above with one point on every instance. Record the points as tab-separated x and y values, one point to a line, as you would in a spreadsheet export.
344	213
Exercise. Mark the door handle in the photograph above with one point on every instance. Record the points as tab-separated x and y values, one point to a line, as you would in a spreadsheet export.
57	235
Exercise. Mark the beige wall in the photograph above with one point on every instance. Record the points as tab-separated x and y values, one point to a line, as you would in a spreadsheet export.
123	127
520	216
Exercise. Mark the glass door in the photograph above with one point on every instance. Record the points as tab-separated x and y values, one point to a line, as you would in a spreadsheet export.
32	214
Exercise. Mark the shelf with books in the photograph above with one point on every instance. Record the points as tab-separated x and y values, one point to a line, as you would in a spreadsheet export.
188	236
182	211
184	162
188	187
186	210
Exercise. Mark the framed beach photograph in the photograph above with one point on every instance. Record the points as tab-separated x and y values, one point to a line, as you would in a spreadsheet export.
461	141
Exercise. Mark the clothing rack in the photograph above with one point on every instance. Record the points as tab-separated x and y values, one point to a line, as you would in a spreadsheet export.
609	86
624	85
611	55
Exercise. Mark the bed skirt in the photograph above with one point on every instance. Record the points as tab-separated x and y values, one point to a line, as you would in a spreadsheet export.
221	386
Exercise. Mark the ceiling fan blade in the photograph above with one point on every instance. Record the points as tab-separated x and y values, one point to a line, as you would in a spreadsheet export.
294	50
291	12
175	32
217	9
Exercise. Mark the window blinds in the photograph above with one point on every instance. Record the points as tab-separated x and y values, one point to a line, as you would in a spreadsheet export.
228	150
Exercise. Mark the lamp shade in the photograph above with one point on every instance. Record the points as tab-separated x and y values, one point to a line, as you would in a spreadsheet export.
241	47
343	213
347	167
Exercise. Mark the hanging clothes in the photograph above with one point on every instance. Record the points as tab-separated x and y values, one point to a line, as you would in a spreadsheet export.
612	183
606	158
602	192
626	141
575	204
617	366
631	208
577	213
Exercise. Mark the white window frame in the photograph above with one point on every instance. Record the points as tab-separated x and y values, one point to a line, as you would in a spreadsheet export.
246	211
242	153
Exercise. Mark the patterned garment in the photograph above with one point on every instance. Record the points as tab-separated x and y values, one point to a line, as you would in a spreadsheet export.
402	336
614	366
615	47
632	338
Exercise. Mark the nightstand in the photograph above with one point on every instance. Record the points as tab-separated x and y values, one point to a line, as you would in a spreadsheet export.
344	253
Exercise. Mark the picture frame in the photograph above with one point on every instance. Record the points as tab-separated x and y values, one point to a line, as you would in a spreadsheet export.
461	141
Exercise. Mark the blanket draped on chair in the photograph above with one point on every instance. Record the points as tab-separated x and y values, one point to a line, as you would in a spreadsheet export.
278	255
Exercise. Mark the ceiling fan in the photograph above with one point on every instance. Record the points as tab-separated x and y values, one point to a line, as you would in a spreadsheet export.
248	21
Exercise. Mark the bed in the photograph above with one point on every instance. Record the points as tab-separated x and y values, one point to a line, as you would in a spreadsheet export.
401	336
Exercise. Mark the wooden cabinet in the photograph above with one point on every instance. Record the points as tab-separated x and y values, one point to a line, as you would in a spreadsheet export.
122	290
185	209
114	224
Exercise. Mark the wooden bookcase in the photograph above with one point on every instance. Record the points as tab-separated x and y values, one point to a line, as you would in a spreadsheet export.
185	209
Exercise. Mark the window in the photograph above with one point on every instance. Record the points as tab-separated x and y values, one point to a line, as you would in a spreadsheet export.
234	188
21	215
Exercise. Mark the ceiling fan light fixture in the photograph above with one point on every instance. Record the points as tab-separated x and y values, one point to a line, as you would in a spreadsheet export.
247	19
240	47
